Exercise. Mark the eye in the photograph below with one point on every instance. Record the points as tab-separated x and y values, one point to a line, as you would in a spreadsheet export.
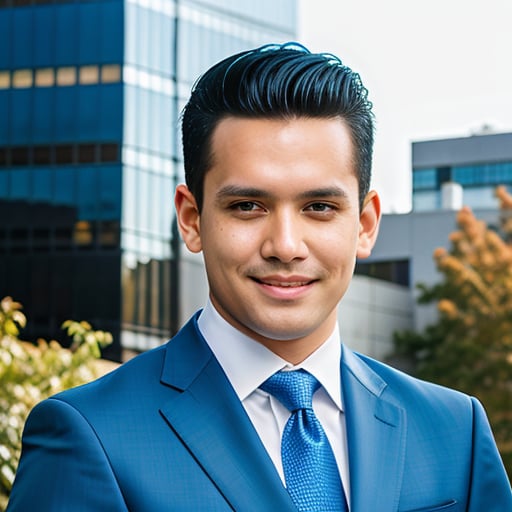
245	206
320	207
246	209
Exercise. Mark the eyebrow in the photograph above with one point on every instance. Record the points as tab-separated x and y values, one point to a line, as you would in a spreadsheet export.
239	191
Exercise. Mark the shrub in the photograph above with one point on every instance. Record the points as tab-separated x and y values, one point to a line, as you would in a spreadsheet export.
31	372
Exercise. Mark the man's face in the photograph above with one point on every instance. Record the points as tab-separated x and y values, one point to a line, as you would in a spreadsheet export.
280	228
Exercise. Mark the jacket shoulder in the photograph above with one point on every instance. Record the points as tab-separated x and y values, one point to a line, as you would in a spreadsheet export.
411	391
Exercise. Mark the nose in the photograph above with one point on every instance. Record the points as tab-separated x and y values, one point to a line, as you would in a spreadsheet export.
284	238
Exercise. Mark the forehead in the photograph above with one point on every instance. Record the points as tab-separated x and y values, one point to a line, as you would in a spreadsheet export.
296	148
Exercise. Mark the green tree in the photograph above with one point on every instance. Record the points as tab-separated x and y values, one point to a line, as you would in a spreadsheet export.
470	346
29	373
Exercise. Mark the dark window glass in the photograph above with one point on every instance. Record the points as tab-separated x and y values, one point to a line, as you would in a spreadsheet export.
392	271
63	238
88	199
42	155
40	277
20	156
444	174
64	154
86	153
109	234
109	152
41	237
4	157
19	236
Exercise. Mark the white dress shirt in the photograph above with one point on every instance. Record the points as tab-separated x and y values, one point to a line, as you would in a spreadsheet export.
267	414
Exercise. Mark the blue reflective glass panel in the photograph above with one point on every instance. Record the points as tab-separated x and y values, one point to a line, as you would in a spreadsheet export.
66	34
42	184
89	40
111	36
110	193
20	184
66	99
44	35
6	38
110	112
21	117
65	186
88	113
43	115
22	34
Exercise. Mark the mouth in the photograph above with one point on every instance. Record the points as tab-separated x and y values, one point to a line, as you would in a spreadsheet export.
283	283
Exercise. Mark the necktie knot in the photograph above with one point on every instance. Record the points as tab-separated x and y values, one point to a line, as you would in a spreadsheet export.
293	389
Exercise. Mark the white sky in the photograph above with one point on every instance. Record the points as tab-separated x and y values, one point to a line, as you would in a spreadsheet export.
434	69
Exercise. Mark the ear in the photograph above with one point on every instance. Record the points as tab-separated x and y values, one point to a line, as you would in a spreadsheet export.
187	215
369	221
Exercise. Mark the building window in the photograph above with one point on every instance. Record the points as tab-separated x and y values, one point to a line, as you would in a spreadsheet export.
45	77
66	76
59	154
83	235
42	155
110	73
20	156
64	154
63	76
5	79
109	152
22	78
86	153
392	271
88	75
424	179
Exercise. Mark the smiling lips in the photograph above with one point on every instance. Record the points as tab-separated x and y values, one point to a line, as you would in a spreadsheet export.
285	287
284	284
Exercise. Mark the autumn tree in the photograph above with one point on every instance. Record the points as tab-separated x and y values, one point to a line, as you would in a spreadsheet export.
470	346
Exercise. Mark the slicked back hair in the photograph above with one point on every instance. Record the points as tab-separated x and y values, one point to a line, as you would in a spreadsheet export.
276	82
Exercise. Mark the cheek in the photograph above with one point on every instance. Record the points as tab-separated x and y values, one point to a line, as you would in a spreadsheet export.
226	248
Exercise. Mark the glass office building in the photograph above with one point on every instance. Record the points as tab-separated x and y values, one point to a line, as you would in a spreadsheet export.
90	96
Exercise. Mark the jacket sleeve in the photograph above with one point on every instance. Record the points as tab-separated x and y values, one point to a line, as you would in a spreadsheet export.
490	488
63	465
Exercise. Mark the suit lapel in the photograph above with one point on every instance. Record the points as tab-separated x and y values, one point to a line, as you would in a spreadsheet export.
376	431
208	417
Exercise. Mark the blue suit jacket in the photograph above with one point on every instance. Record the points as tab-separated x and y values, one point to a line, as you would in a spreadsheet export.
166	431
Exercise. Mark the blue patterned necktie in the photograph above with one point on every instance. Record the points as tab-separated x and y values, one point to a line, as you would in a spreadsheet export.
310	470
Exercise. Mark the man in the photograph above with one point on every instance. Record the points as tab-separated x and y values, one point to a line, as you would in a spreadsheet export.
277	149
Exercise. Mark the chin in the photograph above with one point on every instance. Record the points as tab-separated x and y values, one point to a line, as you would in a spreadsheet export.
283	334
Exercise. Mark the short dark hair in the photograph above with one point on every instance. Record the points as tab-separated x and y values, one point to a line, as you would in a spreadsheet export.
275	82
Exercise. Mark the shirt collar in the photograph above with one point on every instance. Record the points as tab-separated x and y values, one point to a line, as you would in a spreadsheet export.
230	346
